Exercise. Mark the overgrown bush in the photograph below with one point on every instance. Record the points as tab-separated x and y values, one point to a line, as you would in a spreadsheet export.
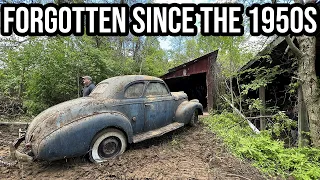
269	155
10	107
43	72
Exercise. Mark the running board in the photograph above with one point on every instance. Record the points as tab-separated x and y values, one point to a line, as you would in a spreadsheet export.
157	132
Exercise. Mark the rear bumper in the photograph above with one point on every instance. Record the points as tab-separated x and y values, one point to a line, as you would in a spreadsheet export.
16	155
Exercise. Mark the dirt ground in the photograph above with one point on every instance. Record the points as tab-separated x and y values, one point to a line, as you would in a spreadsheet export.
187	153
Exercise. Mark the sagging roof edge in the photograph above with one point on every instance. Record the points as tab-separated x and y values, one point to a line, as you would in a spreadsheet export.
189	63
263	52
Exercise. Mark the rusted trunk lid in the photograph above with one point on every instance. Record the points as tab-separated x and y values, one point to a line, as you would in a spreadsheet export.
59	115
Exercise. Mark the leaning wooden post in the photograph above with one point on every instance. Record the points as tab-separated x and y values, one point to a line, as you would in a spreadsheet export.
303	127
262	97
256	130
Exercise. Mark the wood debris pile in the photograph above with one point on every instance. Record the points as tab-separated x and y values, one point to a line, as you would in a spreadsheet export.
10	107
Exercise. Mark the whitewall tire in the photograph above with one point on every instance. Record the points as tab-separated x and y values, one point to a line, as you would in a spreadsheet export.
107	144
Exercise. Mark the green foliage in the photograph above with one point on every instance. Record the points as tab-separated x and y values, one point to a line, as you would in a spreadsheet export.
293	86
175	143
270	156
231	54
34	106
262	77
280	123
46	71
255	104
155	58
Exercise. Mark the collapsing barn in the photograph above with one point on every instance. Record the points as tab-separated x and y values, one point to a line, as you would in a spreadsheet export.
279	55
271	56
196	78
278	92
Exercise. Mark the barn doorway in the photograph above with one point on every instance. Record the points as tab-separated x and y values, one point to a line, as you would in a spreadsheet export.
194	86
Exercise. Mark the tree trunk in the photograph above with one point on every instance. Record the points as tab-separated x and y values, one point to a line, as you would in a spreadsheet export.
240	97
136	48
231	87
303	125
307	74
21	87
231	91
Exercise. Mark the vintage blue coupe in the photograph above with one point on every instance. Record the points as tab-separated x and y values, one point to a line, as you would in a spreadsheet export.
120	110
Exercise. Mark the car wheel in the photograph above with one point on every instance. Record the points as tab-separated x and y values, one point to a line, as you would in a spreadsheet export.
107	144
194	119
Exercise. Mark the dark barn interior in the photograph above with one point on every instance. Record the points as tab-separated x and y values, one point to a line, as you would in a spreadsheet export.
196	79
194	86
276	93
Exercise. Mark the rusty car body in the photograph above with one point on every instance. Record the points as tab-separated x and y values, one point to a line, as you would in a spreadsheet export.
120	110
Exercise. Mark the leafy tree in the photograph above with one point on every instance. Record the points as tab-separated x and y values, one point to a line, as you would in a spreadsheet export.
45	71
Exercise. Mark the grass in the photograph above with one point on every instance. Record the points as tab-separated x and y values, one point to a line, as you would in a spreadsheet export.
268	155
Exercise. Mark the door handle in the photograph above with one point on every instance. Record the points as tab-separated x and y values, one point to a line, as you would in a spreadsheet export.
147	104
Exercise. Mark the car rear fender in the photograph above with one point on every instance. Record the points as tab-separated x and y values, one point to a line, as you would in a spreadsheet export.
74	139
185	110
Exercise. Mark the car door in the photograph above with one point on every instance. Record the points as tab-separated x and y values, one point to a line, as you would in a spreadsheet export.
133	105
158	104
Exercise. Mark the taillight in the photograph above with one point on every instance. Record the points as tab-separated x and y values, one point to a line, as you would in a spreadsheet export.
28	146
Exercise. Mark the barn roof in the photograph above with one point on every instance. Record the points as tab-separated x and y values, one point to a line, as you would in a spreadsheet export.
198	65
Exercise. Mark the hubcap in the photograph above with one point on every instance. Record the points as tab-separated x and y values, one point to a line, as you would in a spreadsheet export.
109	147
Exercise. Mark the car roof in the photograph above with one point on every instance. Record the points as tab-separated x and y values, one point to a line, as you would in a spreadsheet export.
126	79
114	87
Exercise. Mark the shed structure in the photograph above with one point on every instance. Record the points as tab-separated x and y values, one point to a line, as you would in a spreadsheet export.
277	92
196	78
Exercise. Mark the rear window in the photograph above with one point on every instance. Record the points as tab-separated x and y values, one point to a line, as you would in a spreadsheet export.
134	91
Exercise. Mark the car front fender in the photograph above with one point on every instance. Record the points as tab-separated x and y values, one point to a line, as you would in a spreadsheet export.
185	110
74	139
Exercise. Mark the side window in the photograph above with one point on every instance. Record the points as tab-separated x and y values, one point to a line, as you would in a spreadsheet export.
134	91
156	89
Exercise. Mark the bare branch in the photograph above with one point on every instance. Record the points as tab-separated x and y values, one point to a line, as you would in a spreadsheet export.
297	78
293	47
258	117
288	47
